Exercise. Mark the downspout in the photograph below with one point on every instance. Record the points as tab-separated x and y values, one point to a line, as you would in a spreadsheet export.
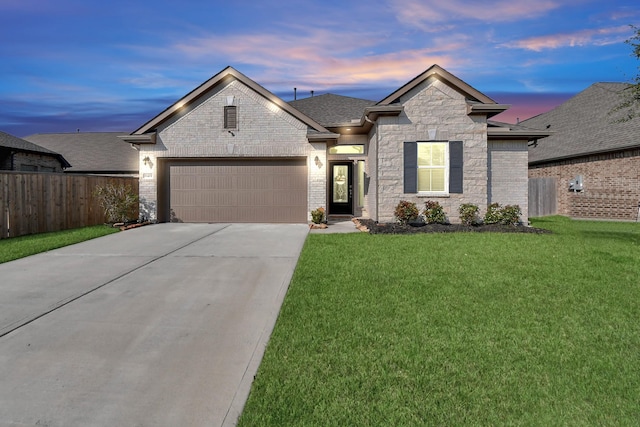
375	129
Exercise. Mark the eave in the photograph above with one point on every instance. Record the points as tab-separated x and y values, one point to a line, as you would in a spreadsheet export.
489	109
146	138
322	137
585	154
528	135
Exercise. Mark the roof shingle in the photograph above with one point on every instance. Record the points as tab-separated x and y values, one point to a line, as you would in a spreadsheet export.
91	152
584	125
332	110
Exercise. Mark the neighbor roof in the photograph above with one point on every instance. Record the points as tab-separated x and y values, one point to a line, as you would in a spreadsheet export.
92	152
584	125
332	110
13	142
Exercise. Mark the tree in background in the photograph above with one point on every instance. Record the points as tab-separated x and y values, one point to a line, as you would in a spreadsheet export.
629	108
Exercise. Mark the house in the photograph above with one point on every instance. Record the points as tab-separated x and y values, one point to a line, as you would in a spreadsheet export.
594	159
93	153
16	154
231	151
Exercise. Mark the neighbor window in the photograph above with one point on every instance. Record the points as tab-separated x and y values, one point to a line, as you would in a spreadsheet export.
231	117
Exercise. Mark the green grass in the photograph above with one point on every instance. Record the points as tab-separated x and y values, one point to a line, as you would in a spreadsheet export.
20	247
458	329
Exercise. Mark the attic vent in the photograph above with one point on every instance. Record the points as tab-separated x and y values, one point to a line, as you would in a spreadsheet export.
231	117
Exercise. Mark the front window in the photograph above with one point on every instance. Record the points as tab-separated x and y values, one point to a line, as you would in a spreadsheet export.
433	167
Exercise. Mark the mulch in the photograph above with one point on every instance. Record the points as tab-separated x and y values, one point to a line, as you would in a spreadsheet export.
394	228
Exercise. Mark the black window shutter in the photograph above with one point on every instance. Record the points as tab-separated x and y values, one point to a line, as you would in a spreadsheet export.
410	167
455	167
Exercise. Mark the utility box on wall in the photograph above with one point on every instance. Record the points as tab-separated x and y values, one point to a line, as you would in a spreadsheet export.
576	184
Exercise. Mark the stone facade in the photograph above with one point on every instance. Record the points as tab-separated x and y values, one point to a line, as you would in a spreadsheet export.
431	105
264	130
611	185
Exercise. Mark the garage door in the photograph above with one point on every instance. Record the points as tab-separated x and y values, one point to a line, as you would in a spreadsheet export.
257	190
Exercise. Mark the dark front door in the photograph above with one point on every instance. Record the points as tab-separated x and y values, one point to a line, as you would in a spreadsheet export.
341	188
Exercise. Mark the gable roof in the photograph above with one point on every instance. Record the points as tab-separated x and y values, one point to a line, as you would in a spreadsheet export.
92	152
224	77
449	79
332	110
15	143
583	125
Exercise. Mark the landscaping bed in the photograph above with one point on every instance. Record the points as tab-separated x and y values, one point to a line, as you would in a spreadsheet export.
396	228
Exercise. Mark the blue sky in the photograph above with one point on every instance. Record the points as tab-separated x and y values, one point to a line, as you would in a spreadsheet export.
112	65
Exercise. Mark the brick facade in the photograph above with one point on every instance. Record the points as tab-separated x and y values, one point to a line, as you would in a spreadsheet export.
611	185
264	130
508	184
437	102
30	162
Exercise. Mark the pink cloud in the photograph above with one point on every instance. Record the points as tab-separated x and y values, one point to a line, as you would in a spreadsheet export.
527	105
321	58
595	37
423	14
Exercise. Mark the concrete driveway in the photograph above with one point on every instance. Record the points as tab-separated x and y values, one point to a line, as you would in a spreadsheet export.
162	325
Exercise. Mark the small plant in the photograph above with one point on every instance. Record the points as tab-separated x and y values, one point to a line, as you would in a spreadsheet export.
317	216
493	215
118	201
406	212
469	214
434	213
510	215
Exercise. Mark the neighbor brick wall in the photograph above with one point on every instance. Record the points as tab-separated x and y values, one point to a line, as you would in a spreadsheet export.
264	130
431	105
611	185
41	162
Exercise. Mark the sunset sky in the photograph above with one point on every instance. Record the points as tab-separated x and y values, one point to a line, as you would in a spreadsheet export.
112	65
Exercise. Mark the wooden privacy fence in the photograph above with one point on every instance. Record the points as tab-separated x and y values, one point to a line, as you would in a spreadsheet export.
542	197
42	202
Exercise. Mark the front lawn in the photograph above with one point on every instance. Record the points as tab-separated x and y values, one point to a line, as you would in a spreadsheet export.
20	247
458	329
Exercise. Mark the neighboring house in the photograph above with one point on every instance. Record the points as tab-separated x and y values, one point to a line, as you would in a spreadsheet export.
594	159
16	154
231	151
93	153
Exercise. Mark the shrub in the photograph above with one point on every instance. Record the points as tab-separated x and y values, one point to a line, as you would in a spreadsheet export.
118	201
508	215
406	212
434	213
317	216
469	214
493	214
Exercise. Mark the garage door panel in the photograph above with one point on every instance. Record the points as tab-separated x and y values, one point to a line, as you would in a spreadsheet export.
238	190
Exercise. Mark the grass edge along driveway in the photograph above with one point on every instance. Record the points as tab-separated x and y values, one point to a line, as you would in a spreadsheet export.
23	246
458	329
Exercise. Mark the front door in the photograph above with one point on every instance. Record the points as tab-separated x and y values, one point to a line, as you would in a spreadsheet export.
341	191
